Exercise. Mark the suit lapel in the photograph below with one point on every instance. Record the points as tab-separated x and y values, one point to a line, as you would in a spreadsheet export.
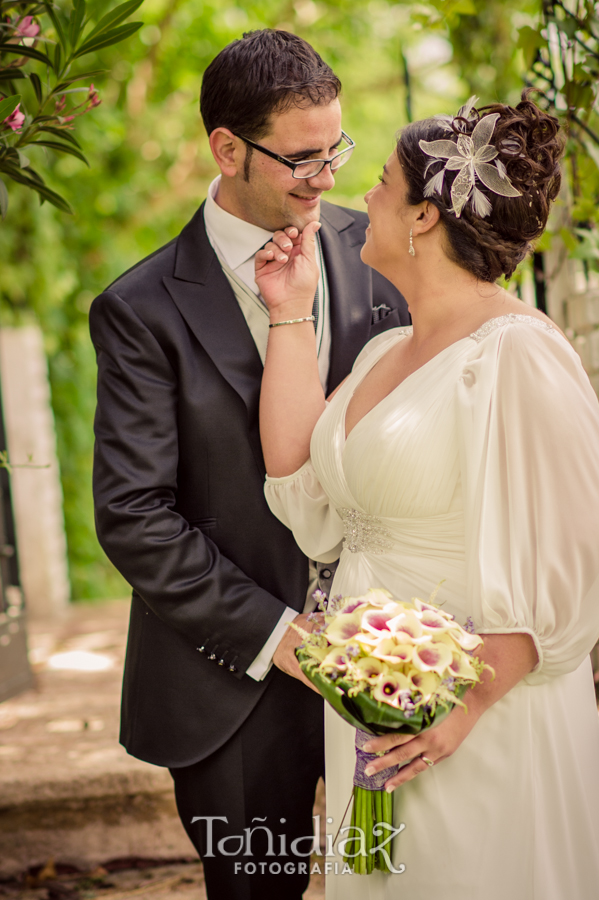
204	298
349	288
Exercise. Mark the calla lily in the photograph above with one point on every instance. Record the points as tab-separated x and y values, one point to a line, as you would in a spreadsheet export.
335	660
461	667
375	621
427	683
370	669
392	652
432	658
466	640
421	606
318	653
377	597
388	688
407	629
344	627
434	623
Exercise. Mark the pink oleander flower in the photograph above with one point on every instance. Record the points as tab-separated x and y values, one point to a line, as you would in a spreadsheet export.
15	120
27	28
92	98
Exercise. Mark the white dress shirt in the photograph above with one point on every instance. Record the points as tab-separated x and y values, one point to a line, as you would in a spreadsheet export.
236	243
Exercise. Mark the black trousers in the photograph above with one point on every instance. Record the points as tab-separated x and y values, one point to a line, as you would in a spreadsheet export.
253	798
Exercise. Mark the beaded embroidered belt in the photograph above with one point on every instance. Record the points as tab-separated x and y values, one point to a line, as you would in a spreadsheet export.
364	533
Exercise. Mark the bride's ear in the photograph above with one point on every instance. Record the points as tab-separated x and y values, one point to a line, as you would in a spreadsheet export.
427	218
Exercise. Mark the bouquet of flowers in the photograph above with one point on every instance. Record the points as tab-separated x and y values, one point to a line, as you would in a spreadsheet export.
386	666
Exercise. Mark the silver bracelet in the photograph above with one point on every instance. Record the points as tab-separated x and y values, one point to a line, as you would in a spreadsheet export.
293	321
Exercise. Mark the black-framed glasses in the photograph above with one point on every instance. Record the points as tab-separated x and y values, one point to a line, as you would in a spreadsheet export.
308	168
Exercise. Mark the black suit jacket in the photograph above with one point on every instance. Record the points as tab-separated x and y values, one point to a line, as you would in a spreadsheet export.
179	477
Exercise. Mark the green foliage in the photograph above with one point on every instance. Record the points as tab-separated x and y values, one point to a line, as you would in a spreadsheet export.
151	162
50	78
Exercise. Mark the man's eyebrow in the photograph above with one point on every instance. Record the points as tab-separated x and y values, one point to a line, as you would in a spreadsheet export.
300	154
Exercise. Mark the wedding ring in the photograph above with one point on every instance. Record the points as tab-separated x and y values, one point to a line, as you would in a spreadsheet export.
425	759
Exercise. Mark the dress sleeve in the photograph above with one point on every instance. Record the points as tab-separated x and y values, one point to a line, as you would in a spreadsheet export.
301	504
529	424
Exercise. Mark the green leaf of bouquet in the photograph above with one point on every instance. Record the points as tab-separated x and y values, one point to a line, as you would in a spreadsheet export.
108	38
76	21
3	199
37	86
332	694
61	148
31	52
114	17
8	106
57	58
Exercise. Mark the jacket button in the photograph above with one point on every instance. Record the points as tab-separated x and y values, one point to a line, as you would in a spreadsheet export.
221	662
212	656
201	649
232	668
326	573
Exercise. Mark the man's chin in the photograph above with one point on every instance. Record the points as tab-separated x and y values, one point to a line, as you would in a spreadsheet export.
301	217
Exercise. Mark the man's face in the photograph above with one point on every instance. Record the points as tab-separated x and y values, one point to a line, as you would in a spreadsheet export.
271	197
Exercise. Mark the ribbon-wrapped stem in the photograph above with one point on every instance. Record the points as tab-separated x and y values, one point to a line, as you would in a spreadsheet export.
372	807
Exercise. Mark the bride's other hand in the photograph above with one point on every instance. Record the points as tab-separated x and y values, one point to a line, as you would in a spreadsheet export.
511	656
287	273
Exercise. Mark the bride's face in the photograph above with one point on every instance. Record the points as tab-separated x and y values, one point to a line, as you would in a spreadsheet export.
387	236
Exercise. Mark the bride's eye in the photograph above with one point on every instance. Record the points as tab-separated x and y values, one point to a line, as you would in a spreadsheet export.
381	179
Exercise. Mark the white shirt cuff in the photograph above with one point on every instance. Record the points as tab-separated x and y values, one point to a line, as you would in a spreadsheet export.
261	665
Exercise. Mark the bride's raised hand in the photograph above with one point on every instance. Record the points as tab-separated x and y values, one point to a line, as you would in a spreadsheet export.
287	272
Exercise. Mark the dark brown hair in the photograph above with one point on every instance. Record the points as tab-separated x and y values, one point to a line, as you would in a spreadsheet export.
264	72
530	145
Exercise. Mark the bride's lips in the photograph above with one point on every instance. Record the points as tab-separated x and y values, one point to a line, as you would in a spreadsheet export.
310	202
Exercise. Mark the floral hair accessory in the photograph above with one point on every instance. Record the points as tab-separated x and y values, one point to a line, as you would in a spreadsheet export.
471	155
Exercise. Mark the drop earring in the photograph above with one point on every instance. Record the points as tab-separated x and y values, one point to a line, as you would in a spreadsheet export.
411	250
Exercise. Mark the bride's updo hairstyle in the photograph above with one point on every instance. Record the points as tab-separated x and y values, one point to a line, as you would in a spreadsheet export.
529	145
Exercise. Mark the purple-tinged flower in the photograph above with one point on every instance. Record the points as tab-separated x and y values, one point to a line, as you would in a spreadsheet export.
15	120
469	626
449	683
352	651
27	28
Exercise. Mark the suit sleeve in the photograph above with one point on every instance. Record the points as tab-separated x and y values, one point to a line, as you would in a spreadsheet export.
175	568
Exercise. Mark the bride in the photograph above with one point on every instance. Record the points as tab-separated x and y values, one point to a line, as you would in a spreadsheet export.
463	448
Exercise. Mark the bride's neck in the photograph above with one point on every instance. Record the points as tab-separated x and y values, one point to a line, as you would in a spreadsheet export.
441	296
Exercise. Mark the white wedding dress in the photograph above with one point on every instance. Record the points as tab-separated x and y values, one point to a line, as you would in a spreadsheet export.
481	468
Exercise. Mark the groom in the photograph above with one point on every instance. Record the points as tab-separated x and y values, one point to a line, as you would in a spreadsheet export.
211	686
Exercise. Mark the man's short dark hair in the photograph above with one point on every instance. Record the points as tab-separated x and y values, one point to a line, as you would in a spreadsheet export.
264	72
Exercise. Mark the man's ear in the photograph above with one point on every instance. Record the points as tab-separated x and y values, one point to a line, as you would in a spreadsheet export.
427	218
228	151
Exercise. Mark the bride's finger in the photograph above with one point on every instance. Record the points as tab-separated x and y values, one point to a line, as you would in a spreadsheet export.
387	742
407	773
282	241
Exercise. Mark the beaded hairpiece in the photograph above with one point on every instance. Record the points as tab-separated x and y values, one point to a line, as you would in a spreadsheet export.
471	155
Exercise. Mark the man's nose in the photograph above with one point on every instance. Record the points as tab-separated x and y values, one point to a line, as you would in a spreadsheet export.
324	181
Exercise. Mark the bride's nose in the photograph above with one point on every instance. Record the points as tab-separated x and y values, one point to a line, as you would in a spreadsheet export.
367	196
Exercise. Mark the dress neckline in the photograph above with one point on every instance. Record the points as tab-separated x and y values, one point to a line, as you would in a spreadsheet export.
481	332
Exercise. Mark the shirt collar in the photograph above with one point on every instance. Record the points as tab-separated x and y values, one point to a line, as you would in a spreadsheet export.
237	240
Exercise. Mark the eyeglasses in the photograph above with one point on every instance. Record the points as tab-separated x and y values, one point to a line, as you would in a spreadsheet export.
310	167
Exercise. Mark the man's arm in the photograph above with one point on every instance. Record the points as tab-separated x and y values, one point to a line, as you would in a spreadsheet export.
175	568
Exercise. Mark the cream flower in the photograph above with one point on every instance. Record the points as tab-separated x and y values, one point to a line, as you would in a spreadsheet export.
389	650
432	657
388	687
